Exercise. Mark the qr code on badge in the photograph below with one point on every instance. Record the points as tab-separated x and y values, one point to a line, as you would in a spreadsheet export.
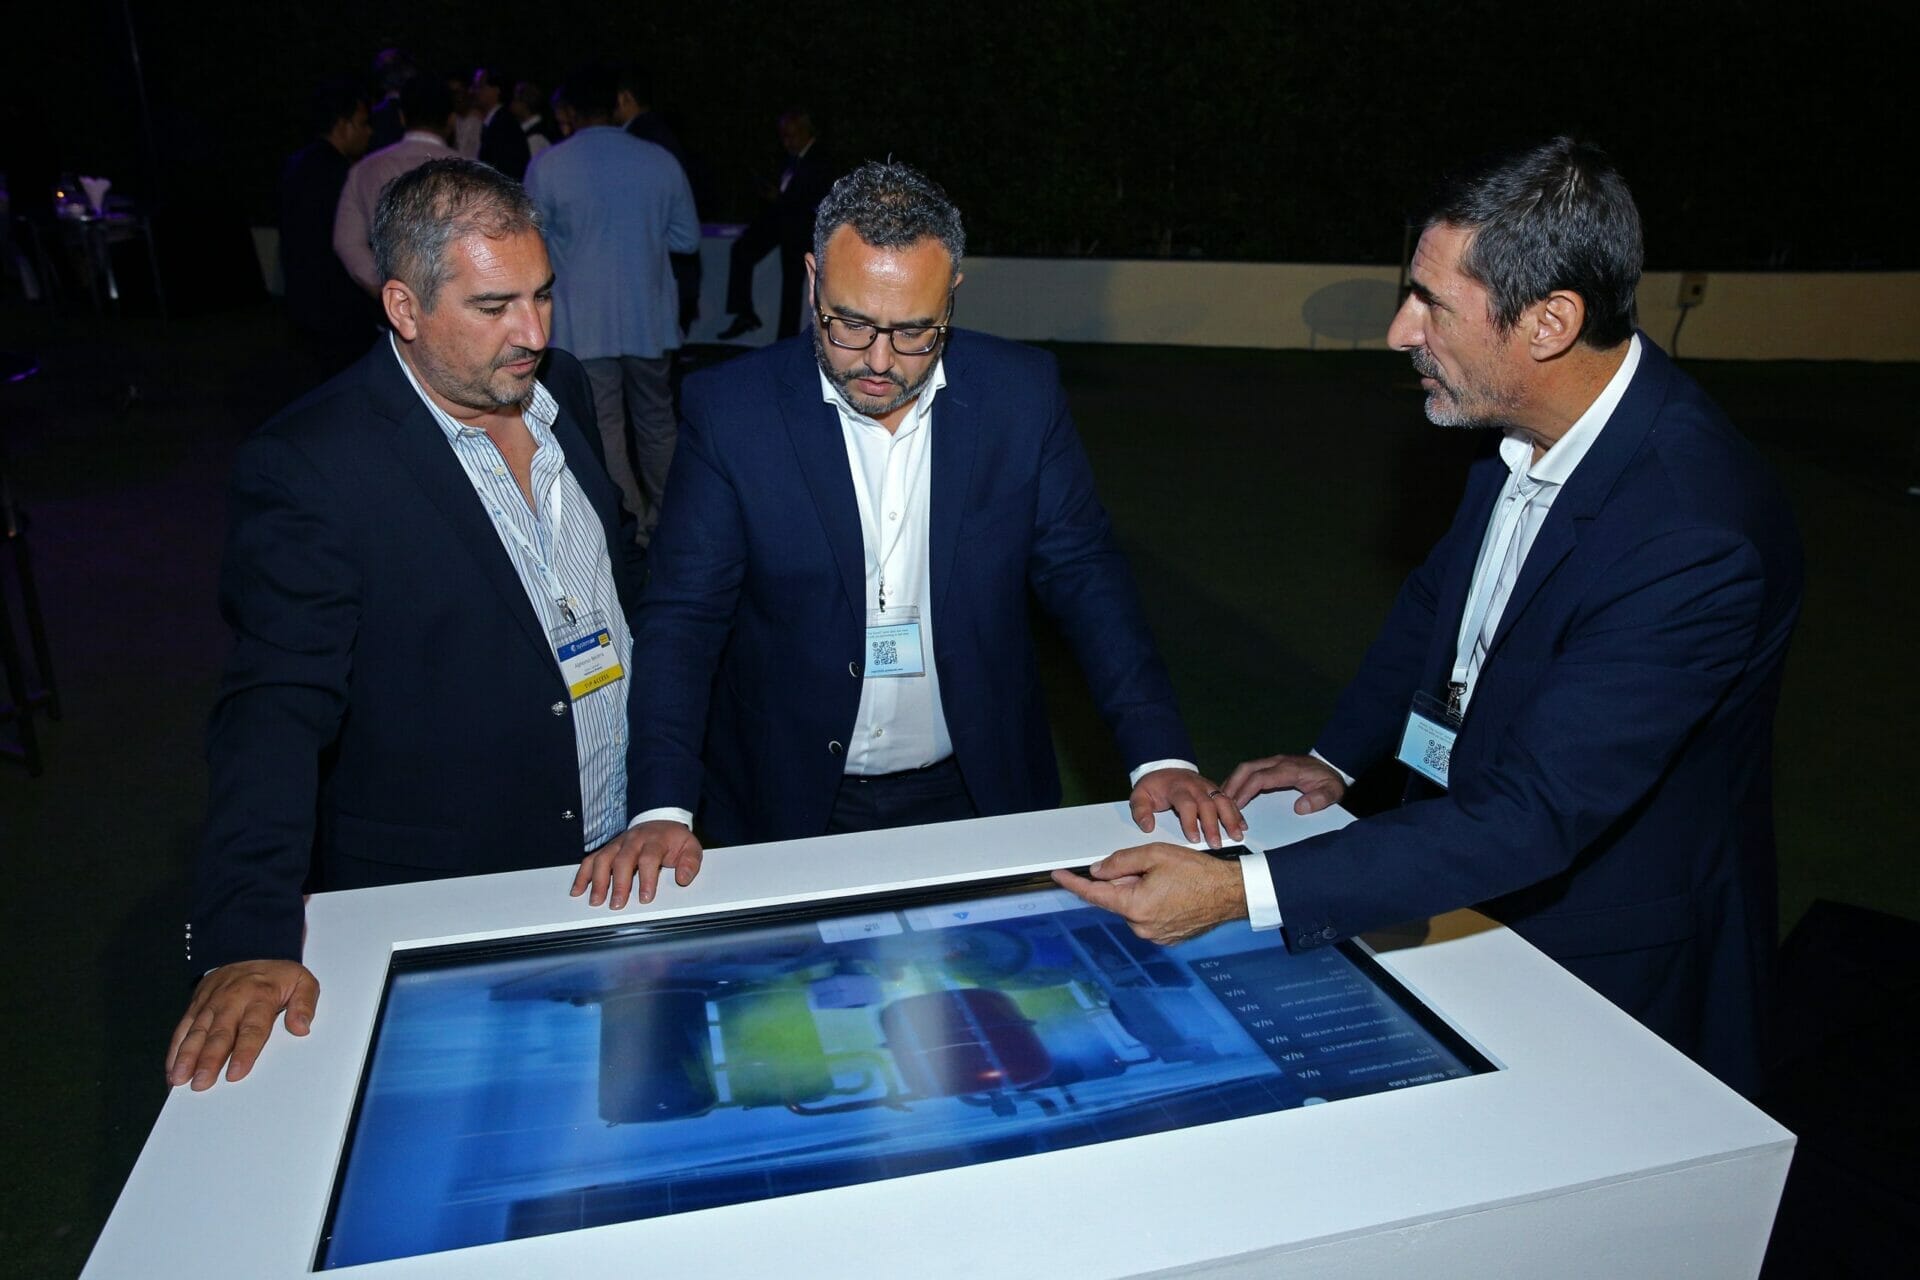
886	653
1434	756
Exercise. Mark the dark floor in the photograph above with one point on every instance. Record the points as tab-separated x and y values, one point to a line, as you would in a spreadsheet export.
1271	502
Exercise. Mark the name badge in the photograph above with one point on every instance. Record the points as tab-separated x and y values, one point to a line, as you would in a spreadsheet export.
1427	745
893	644
588	657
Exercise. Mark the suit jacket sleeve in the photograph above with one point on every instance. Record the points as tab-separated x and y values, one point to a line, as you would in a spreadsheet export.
291	593
699	557
1082	579
1643	665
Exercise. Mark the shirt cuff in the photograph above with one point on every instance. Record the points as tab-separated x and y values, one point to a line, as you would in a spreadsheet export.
668	814
1133	779
1344	775
1263	905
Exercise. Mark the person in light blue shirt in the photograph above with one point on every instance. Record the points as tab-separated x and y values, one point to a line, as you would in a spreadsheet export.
613	208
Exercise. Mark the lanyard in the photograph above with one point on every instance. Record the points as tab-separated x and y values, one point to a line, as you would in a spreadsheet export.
1515	503
556	502
879	556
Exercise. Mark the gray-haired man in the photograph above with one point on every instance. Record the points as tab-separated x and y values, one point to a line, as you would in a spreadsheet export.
429	583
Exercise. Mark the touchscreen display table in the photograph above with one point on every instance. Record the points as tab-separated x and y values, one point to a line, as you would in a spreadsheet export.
544	1086
902	1053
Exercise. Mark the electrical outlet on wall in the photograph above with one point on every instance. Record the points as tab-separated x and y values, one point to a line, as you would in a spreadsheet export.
1693	288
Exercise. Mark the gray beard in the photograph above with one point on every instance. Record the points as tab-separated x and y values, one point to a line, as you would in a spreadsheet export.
1443	405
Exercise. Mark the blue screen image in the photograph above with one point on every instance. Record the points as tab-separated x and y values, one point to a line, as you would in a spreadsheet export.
617	1077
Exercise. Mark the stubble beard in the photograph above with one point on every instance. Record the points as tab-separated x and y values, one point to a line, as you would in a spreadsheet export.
480	392
1446	406
843	381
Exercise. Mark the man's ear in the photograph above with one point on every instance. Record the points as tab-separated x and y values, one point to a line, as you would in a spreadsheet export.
813	294
1554	323
402	308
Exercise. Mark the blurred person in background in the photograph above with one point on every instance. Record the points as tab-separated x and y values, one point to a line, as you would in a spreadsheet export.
786	224
503	144
529	108
332	315
633	111
392	68
426	109
613	208
468	119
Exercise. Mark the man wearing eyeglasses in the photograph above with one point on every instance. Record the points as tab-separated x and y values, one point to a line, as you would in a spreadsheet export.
836	630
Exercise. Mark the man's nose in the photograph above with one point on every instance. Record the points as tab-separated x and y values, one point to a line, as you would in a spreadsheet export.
880	354
529	327
1404	334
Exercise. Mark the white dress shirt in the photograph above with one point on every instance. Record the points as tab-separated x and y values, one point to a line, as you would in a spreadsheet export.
557	547
900	724
467	127
1512	526
536	141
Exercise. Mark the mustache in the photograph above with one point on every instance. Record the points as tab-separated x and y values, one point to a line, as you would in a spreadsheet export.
863	371
1427	367
514	355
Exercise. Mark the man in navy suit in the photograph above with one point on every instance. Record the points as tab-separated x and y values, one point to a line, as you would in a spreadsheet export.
1581	679
836	623
430	584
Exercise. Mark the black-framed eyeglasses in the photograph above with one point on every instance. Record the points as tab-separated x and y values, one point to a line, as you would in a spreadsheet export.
907	340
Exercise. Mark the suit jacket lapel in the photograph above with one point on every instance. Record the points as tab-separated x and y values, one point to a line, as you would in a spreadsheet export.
422	448
813	426
955	432
1586	490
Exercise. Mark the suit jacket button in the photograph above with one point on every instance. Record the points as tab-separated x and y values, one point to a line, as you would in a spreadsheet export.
1329	933
558	708
567	816
853	669
834	748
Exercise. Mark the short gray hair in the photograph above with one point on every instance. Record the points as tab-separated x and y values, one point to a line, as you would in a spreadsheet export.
890	206
426	209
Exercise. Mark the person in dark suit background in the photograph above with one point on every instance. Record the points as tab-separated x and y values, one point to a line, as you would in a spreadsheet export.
786	224
425	558
836	625
529	106
503	143
1581	678
331	313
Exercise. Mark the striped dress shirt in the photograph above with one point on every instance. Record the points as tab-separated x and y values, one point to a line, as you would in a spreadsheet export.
575	547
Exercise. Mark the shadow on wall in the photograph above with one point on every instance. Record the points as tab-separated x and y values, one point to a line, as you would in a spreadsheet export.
1350	311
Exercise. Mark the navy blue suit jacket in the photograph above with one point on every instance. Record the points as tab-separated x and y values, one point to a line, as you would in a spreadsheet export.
1612	782
392	709
752	625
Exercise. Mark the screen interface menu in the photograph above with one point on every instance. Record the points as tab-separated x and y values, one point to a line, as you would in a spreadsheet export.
621	1075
